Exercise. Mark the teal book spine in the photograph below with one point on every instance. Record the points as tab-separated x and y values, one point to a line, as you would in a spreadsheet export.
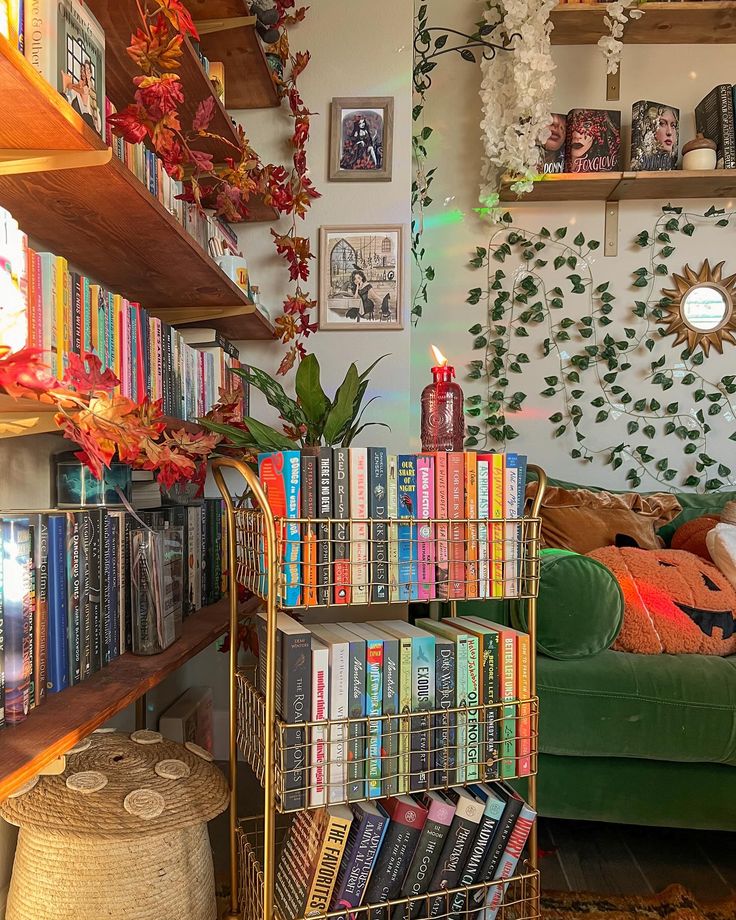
373	709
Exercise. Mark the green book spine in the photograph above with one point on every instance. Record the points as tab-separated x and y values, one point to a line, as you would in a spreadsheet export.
405	709
461	659
490	695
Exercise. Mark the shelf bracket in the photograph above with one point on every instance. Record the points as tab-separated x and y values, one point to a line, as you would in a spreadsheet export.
610	236
209	26
54	768
613	85
16	161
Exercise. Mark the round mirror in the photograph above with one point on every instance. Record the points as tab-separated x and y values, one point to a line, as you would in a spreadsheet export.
706	307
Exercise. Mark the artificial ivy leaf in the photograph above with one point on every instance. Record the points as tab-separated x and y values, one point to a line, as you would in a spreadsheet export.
561	233
667	251
474	412
515	367
642	239
467	55
630	333
573	377
598	402
688	379
626	398
640	405
586	333
616	462
641	281
593	244
692	481
722	223
473	429
640	309
544	232
663	237
604	321
579	239
616	390
607	298
473	400
563	336
601	416
550	391
669	475
698	358
480	342
551	381
572	261
632	427
672	224
575	454
669	428
688	229
576	394
560	431
724	470
556	303
714	409
476	329
522	358
712	484
521	332
473	296
559	261
698	395
649	343
654	405
662	465
557	417
540	263
661	269
649	431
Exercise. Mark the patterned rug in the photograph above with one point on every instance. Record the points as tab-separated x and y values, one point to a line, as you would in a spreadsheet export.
674	903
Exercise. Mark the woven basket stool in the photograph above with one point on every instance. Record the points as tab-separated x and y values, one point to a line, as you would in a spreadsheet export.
120	835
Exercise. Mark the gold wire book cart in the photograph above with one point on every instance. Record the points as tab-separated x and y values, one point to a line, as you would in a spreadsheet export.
504	566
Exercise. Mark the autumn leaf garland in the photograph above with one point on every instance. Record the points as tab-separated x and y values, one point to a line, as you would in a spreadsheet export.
155	117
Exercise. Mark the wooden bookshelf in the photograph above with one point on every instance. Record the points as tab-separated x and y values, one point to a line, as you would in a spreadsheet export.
227	320
102	218
67	717
694	22
629	186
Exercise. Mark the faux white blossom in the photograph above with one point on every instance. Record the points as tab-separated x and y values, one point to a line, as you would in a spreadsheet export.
618	14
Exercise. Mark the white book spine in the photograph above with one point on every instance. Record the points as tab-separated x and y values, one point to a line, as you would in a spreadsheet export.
40	38
339	712
359	532
483	509
320	710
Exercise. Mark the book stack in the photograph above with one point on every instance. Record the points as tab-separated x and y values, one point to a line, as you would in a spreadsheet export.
391	707
63	312
66	595
405	857
361	526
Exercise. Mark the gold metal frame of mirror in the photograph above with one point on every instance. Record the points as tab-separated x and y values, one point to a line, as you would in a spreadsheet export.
674	321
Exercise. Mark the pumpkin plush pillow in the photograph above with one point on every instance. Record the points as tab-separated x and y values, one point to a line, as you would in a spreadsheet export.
580	520
674	602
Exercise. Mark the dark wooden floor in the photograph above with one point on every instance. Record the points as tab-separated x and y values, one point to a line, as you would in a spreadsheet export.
620	859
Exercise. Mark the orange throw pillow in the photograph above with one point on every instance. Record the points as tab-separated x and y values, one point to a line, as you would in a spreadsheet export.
581	521
691	536
674	602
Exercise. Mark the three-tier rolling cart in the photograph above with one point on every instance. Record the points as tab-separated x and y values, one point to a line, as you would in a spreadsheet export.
256	553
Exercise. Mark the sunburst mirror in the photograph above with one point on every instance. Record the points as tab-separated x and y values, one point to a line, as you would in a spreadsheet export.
699	310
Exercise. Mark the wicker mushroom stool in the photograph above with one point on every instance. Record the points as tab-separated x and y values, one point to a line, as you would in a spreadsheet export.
120	835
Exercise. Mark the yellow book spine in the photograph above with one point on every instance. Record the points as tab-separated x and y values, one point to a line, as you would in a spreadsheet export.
471	511
328	864
498	462
62	298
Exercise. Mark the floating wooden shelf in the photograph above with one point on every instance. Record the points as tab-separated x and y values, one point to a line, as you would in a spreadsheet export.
248	81
229	321
629	186
119	19
695	22
67	717
102	218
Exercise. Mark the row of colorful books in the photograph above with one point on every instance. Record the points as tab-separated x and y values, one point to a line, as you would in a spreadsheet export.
62	312
12	14
382	671
68	598
432	855
395	528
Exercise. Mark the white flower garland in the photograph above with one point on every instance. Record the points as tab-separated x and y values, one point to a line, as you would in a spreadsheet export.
516	91
615	19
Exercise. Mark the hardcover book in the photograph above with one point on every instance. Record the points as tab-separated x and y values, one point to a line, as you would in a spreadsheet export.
442	528
373	703
58	671
279	474
471	511
309	499
456	513
40	544
426	589
497	508
593	142
377	511
714	118
359	532
407	819
341	531
391	730
73	607
324	556
552	150
509	860
512	805
298	862
444	732
357	727
393	529
654	136
338	646
484	546
337	822
364	842
17	614
407	533
440	812
457	847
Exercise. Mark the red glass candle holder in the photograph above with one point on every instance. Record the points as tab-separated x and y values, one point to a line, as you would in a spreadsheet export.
443	416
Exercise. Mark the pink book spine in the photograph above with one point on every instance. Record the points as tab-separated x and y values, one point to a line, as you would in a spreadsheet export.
425	532
442	547
125	349
509	861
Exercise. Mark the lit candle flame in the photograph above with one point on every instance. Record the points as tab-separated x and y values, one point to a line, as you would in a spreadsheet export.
439	357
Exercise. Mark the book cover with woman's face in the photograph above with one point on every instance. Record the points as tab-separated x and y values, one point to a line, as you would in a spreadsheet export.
552	150
654	136
593	141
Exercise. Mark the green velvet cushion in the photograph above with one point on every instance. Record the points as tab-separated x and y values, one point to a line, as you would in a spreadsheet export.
660	707
580	608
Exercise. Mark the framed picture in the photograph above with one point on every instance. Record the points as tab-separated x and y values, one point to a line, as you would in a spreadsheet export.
361	277
361	139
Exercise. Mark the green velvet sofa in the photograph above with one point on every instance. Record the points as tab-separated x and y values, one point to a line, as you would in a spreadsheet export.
638	739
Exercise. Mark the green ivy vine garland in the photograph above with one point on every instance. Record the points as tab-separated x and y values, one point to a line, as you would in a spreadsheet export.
529	319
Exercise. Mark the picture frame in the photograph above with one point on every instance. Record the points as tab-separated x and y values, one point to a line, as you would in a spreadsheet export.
361	138
361	278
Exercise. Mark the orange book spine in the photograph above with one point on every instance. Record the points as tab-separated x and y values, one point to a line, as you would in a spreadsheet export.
471	511
523	677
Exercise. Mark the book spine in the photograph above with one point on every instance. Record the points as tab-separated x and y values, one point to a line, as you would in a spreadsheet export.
472	867
2	641
512	531
294	704
394	857
461	691
87	345
94	584
356	729
522	535
471	511
110	579
390	739
393	530
61	310
374	711
58	672
490	695
509	861
422	700
727	125
40	41
76	306
377	508
309	498
323	530
358	861
319	733
442	528
484	548
523	732
341	531
17	565
444	743
495	851
423	866
454	858
297	863
359	533
456	513
474	745
497	512
73	600
507	691
41	608
407	536
328	865
426	588
339	712
85	594
405	687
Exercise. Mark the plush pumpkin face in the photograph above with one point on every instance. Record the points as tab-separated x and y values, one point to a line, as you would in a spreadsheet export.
675	602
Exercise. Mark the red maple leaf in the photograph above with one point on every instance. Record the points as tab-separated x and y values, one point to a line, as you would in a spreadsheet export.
179	17
85	375
130	124
204	114
23	371
159	95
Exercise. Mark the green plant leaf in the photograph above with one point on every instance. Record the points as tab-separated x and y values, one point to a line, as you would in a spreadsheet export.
268	438
237	436
343	410
275	395
312	398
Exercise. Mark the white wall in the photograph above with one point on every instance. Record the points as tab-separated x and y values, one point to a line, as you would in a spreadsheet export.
680	76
